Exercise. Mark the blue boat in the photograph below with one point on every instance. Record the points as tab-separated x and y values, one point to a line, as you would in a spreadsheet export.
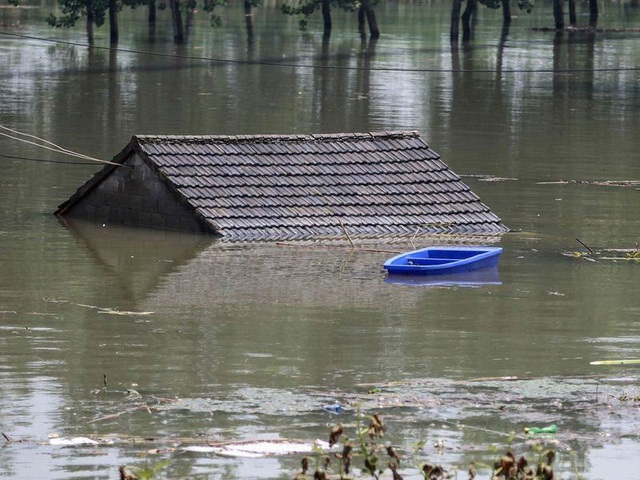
443	260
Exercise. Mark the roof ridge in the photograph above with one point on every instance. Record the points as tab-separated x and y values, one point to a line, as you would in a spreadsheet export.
275	138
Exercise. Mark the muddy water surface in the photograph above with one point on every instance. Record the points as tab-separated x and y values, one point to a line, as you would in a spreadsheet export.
204	343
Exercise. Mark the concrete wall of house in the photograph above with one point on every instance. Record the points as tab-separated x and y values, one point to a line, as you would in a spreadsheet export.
136	196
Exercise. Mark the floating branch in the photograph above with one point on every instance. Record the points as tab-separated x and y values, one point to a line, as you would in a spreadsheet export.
632	361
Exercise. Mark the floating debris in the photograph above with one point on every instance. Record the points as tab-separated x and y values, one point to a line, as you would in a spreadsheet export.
536	430
617	183
599	183
113	311
335	408
110	311
554	293
496	179
631	361
260	448
73	441
630	254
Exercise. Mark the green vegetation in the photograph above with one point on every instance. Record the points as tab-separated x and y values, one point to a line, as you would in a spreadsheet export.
376	458
148	472
306	8
96	12
605	254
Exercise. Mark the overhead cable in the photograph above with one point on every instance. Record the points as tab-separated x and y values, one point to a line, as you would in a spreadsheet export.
47	145
320	66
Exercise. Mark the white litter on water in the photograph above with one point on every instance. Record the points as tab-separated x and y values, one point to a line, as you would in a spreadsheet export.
72	441
254	449
199	449
260	448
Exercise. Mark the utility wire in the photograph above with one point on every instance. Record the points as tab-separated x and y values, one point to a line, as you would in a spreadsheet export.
42	160
47	142
48	145
322	67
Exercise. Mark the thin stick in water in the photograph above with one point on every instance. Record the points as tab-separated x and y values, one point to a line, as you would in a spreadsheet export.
347	234
585	245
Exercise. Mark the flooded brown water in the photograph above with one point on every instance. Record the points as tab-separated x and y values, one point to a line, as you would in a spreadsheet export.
204	342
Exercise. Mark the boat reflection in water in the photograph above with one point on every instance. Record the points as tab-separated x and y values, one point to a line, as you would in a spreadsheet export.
473	279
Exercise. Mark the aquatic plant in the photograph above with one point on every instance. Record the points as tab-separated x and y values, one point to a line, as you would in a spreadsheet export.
591	255
634	255
148	472
368	448
507	467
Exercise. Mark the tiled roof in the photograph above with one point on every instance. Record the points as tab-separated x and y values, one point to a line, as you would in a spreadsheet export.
302	186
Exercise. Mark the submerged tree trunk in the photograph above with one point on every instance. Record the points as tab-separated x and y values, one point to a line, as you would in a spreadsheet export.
90	22
361	21
455	20
188	23
326	17
593	13
467	15
573	17
248	18
176	18
558	14
114	34
506	13
504	35
151	18
374	31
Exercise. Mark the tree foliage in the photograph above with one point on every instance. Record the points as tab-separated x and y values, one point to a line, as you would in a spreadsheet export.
526	5
306	8
209	6
215	19
95	10
74	10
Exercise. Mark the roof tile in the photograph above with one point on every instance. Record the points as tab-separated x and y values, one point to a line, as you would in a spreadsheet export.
293	186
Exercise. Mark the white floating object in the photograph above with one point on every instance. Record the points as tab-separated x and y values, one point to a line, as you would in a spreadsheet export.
72	441
259	448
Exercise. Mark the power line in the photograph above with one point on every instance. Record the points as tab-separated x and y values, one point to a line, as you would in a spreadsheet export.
317	66
47	145
42	160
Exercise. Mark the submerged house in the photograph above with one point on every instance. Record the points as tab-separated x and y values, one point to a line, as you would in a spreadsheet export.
255	187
